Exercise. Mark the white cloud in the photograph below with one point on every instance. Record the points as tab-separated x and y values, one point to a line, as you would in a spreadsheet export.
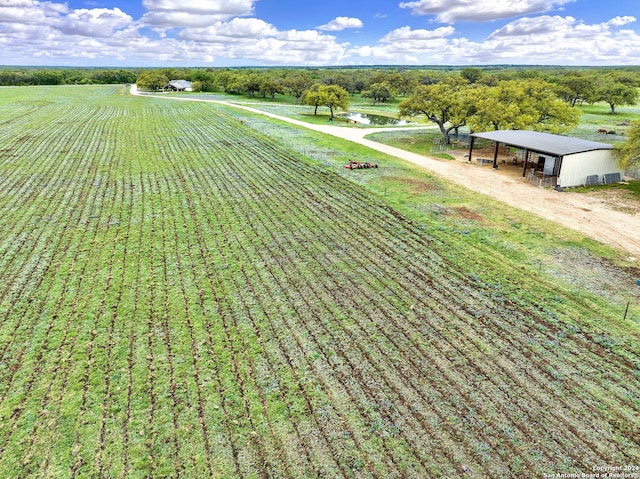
234	30
620	21
169	20
260	42
45	30
203	31
228	8
97	22
341	23
405	34
452	11
544	40
53	34
289	50
17	3
304	36
405	45
31	12
198	13
557	40
535	27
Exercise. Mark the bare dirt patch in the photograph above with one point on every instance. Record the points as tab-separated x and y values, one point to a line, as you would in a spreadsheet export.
468	214
417	186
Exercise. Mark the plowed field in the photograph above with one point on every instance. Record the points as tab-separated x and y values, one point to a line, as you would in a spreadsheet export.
181	296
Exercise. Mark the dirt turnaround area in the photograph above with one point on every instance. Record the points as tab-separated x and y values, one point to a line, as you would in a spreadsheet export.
608	216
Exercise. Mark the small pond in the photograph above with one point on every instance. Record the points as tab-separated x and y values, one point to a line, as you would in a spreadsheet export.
378	120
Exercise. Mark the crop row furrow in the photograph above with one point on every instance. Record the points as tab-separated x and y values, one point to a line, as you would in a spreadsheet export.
258	198
254	315
578	409
152	376
183	247
444	300
230	220
165	330
24	153
276	360
535	325
506	342
243	372
117	260
345	306
35	247
294	330
366	246
94	378
214	365
250	188
132	334
53	400
41	350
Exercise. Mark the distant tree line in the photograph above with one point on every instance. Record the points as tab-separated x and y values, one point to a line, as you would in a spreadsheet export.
575	86
487	98
615	86
21	76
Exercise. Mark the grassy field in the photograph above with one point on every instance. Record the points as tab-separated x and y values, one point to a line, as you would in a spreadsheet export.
186	295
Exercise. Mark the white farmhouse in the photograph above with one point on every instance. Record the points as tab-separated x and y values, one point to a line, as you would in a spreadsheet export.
178	85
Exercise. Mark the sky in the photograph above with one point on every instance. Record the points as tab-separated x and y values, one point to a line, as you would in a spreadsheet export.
222	33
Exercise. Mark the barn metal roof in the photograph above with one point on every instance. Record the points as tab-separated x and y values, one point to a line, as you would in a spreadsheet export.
555	145
180	84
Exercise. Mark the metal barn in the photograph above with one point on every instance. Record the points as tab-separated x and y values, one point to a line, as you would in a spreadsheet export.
564	160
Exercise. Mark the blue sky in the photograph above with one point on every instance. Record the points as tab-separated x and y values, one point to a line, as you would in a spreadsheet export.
322	32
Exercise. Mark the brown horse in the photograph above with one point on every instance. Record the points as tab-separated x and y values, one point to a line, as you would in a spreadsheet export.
602	131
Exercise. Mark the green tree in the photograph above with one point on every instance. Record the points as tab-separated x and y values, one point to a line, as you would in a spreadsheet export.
234	83
251	84
314	97
519	105
331	96
152	80
628	152
106	76
203	85
575	87
334	97
204	80
341	79
446	104
616	94
47	77
471	74
297	84
379	92
270	86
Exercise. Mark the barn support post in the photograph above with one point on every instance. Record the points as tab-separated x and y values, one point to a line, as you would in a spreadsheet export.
473	139
558	166
495	156
526	162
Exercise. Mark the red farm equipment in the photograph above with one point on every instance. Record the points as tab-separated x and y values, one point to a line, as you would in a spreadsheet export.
356	165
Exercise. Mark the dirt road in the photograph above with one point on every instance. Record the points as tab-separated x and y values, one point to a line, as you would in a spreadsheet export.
598	216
